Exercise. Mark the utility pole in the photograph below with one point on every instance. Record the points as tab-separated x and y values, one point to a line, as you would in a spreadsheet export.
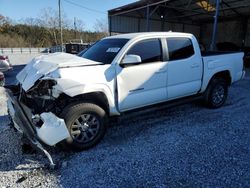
75	26
60	24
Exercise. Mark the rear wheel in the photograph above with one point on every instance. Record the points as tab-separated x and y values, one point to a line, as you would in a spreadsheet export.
86	123
216	93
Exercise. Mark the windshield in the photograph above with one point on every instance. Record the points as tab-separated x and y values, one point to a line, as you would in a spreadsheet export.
104	51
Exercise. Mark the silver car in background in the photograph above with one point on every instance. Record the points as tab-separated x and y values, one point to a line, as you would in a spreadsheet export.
5	64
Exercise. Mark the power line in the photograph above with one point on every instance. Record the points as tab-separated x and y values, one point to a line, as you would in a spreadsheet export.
86	8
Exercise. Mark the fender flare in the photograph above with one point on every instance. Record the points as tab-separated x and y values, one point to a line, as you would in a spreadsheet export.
101	88
209	77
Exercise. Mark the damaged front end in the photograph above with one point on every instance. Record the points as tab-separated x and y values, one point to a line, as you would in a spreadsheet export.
35	113
36	102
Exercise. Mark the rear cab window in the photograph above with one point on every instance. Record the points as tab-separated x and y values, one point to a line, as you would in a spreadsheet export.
179	48
150	50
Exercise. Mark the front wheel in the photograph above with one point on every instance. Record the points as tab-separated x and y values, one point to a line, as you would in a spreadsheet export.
86	123
216	93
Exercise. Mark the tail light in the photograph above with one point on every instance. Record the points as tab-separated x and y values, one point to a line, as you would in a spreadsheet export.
4	57
1	76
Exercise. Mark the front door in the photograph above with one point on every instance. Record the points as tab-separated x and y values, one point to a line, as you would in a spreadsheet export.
145	83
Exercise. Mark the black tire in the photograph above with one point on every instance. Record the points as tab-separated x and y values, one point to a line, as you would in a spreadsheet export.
216	93
93	117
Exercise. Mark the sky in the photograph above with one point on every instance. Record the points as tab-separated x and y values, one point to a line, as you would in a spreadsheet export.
94	9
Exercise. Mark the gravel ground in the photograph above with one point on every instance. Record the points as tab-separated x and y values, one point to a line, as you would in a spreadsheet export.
185	146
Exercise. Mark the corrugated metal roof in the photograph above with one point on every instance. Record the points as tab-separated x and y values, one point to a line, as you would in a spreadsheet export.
194	10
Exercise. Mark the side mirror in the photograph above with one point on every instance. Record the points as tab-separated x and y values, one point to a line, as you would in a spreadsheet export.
129	60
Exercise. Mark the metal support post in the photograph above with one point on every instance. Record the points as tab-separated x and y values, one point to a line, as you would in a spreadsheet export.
213	42
147	16
110	26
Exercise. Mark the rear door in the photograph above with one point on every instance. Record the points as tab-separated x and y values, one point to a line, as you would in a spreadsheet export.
145	83
184	68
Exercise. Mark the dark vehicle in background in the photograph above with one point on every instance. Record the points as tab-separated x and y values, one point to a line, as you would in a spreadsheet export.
75	46
227	47
246	51
85	49
47	50
2	80
5	64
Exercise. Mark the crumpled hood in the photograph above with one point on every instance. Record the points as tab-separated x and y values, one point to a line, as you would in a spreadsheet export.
45	64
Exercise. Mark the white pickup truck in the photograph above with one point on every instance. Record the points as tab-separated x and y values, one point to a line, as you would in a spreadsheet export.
65	99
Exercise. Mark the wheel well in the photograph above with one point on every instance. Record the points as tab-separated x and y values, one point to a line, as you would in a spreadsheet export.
225	75
97	98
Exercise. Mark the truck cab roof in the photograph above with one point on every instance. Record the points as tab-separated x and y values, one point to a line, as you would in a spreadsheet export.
149	34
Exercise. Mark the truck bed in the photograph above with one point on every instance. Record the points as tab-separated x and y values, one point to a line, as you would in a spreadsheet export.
212	53
220	61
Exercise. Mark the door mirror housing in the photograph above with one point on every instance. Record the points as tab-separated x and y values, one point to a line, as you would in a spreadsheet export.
131	59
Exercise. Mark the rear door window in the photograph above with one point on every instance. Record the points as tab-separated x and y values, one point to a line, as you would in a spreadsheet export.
179	48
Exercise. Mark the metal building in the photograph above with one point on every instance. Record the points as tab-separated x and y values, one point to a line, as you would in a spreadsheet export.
208	20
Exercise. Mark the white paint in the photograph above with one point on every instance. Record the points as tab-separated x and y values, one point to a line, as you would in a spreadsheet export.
131	59
45	64
230	62
137	86
53	129
184	76
141	85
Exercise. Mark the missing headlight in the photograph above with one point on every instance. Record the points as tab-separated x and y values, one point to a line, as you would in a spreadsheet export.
43	89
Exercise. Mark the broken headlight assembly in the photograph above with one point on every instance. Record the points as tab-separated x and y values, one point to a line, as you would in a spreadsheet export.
39	98
43	89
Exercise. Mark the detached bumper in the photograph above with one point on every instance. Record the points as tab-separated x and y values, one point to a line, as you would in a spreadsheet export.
20	119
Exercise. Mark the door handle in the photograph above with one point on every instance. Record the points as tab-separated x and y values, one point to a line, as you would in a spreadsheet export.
161	71
195	65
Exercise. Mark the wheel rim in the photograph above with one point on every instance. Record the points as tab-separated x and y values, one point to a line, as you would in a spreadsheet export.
218	95
85	128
